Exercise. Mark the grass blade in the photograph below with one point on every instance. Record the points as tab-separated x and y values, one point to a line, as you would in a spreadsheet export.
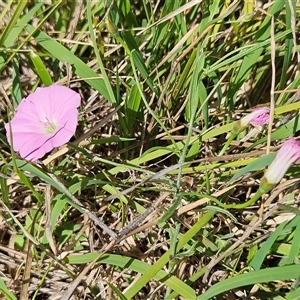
260	276
64	55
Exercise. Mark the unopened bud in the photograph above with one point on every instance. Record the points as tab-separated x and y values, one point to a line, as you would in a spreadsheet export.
111	28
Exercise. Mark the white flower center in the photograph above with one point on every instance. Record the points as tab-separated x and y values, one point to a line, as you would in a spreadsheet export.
49	127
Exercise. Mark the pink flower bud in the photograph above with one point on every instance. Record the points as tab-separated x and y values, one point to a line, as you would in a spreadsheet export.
288	154
259	116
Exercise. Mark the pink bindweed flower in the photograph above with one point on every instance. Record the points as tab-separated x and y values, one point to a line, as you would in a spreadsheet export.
44	120
287	155
259	116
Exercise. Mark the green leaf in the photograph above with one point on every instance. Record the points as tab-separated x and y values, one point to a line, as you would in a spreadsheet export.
17	87
164	259
40	69
140	65
116	291
295	247
293	295
106	80
254	277
132	108
64	55
258	164
250	60
4	187
264	250
10	40
137	266
5	291
12	21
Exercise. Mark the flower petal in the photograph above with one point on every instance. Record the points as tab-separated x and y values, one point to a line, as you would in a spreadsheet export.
53	107
288	154
259	116
66	130
68	100
29	145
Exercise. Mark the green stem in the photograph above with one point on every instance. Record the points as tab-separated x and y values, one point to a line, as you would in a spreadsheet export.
242	205
230	139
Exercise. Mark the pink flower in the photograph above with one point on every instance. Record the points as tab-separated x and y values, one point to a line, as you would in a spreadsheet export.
259	116
288	154
45	119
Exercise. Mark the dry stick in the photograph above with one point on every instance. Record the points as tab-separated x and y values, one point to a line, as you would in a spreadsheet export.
48	224
216	260
3	92
80	277
272	101
132	226
141	228
27	272
74	20
28	266
91	215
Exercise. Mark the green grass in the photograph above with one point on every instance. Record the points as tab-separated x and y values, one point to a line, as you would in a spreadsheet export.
162	83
